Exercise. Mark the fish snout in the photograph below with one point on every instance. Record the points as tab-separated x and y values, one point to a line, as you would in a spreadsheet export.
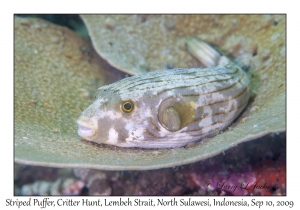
86	130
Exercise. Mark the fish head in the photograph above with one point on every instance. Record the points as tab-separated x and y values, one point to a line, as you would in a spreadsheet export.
116	119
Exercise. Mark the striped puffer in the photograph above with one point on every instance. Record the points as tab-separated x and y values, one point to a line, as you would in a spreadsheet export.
170	108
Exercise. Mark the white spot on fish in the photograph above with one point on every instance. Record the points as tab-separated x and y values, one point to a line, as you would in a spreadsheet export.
113	136
111	114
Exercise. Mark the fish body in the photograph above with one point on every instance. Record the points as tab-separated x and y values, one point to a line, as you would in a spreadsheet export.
170	108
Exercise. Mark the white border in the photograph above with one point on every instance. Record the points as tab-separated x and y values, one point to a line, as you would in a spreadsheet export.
154	6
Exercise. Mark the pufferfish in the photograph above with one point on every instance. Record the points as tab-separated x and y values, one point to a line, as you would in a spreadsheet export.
170	108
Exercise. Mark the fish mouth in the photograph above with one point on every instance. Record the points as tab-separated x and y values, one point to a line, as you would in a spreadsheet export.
86	130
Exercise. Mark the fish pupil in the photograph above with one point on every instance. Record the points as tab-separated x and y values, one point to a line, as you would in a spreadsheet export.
127	106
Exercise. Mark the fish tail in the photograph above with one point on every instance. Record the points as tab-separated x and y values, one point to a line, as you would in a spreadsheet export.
206	54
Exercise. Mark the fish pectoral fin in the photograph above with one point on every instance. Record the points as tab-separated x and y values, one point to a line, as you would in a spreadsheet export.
179	115
171	119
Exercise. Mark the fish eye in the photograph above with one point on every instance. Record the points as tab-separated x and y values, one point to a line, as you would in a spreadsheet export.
127	106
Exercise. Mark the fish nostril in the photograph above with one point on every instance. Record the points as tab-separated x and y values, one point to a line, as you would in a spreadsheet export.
85	131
